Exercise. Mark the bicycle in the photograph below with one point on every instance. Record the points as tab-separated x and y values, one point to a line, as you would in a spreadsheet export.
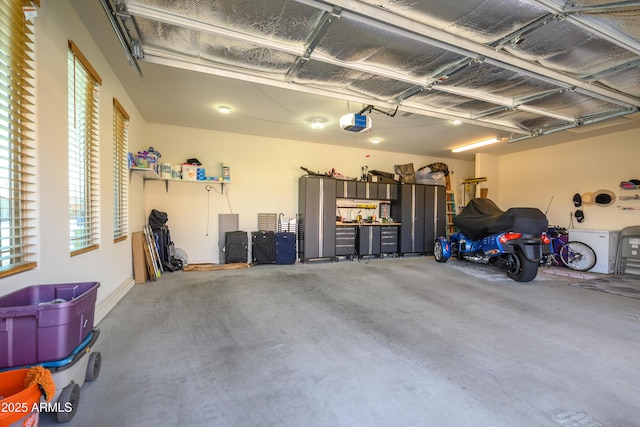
575	255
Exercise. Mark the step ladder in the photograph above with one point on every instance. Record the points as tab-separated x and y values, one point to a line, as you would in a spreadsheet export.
451	208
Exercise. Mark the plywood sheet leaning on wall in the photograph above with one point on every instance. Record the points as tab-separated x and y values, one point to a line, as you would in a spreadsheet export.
138	244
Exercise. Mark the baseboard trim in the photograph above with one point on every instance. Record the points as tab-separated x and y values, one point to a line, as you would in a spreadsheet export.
107	304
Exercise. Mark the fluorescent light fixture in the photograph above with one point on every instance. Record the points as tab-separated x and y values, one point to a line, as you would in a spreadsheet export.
476	145
224	110
317	124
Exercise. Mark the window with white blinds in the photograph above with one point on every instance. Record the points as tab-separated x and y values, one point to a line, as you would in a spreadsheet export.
120	171
17	163
83	87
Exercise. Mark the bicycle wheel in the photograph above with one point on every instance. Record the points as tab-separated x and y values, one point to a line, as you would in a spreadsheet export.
578	256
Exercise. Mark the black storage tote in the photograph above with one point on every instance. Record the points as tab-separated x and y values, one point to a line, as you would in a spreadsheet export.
285	248
236	247
263	247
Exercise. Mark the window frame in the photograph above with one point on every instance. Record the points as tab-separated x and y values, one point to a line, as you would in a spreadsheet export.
120	172
18	221
83	151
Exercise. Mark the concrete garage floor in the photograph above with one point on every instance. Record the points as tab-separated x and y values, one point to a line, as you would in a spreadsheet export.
391	342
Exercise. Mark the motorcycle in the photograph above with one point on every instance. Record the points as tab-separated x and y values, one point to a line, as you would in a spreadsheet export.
512	239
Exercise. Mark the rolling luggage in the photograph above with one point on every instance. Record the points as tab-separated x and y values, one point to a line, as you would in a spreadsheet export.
163	243
285	248
166	247
263	247
236	247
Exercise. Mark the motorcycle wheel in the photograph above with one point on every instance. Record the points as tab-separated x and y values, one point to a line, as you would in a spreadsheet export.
520	268
438	252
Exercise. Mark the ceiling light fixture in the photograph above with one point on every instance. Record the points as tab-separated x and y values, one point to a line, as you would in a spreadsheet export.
476	145
317	124
456	122
224	109
375	140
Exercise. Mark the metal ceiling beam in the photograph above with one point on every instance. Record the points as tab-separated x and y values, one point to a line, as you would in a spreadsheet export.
160	57
613	70
319	32
516	35
166	17
403	27
574	125
540	95
546	113
497	100
313	41
553	77
151	13
383	19
492	111
572	8
121	34
573	15
187	63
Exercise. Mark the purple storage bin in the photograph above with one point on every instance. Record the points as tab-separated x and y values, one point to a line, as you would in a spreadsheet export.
45	322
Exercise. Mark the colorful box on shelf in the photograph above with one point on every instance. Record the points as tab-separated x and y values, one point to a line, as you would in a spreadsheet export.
200	174
190	172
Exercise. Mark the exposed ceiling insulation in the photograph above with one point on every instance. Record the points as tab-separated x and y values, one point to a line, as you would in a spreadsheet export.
527	67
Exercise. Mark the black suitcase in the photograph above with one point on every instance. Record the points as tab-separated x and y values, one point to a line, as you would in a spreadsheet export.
236	247
285	248
161	235
263	247
166	249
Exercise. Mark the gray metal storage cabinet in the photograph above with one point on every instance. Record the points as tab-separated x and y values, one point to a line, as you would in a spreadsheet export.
369	240
345	189
389	239
346	240
317	214
422	211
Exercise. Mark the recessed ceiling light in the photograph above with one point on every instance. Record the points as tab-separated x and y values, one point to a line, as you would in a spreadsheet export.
224	109
317	124
375	140
456	122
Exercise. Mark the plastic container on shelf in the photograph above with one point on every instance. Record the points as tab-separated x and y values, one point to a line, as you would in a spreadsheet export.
176	171
425	176
165	171
201	174
45	322
19	404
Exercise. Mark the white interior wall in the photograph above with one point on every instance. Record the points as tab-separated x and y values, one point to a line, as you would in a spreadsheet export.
533	177
111	264
264	179
488	166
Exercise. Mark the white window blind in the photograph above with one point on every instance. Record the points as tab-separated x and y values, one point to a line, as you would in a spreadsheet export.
120	171
84	159
17	163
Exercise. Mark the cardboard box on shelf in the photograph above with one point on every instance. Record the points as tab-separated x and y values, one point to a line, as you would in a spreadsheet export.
189	172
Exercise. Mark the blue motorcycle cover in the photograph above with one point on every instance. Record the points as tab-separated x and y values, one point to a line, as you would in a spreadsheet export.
481	218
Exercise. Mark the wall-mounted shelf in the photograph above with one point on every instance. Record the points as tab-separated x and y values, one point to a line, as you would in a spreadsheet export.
629	199
150	174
